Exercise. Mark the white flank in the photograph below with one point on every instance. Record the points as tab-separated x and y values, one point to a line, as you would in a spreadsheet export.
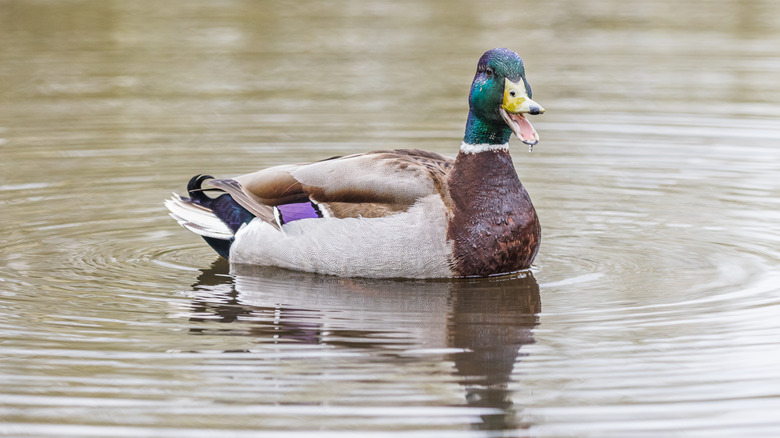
411	244
469	148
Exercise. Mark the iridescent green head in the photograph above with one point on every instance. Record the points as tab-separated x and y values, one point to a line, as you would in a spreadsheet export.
499	99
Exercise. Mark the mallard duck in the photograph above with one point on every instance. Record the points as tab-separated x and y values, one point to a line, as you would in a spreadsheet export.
393	213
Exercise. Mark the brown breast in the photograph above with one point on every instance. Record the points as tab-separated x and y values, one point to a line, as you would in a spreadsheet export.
494	227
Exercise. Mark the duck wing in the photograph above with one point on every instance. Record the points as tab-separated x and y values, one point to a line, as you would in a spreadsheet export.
372	184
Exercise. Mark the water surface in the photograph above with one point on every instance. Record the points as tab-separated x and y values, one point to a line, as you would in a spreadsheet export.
650	311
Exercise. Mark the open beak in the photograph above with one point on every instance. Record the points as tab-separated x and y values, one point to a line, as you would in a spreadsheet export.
515	106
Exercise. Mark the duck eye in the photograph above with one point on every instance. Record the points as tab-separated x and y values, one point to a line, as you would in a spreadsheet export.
489	71
512	93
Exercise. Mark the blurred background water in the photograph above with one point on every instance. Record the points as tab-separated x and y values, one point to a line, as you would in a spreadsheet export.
651	309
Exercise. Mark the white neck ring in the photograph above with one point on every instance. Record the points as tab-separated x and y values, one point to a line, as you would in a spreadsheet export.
469	148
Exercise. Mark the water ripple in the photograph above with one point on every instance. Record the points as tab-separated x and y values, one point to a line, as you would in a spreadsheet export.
656	183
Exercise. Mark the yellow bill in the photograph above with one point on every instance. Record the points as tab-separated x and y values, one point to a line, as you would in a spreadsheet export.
513	109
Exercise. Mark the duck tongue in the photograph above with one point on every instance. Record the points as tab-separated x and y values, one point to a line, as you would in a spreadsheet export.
521	127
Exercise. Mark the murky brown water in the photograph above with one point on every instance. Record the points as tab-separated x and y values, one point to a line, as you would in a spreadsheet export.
652	307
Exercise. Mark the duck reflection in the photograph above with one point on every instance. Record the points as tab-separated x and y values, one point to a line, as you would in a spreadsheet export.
479	324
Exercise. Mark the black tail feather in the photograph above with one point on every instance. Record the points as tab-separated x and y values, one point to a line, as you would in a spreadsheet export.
196	190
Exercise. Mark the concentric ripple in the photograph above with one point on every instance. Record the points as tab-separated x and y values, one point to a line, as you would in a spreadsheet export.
658	280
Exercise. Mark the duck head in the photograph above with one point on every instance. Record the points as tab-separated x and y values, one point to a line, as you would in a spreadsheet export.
499	100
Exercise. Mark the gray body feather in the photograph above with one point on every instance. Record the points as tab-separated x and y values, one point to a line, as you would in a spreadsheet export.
411	244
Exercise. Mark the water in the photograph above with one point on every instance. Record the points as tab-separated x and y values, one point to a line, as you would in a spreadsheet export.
651	309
